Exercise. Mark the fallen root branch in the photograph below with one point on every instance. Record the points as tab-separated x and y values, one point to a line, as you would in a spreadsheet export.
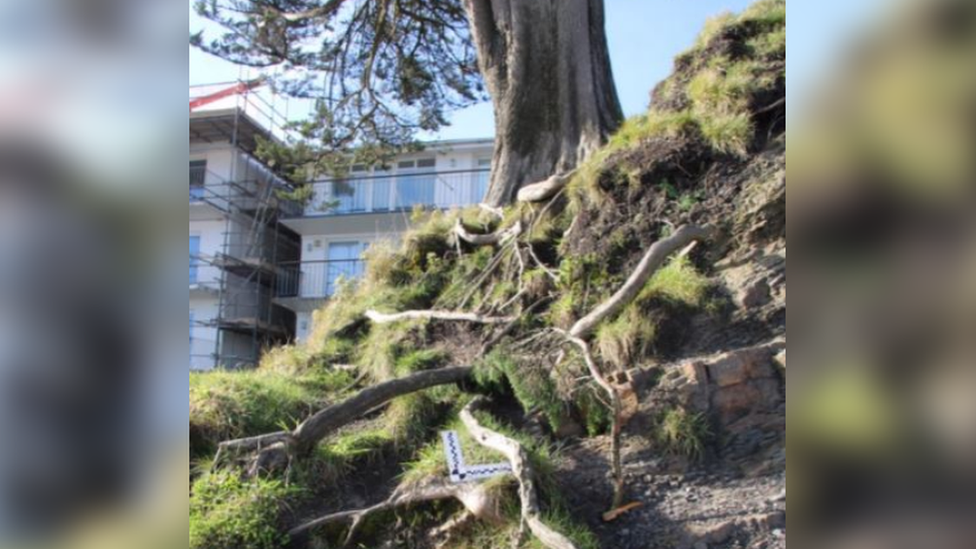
383	318
498	237
493	210
522	469
233	448
652	261
616	409
326	421
476	500
544	190
276	448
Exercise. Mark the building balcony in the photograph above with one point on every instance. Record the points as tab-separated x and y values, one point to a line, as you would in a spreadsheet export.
247	198
316	280
396	192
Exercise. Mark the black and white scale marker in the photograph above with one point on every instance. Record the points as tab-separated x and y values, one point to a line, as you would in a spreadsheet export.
464	473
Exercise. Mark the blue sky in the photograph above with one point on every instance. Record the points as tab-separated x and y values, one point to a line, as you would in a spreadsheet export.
645	36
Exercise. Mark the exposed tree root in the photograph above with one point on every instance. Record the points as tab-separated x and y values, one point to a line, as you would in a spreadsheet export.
652	261
522	469
489	270
547	270
616	409
317	427
448	528
303	439
476	500
498	237
544	190
507	329
493	210
383	318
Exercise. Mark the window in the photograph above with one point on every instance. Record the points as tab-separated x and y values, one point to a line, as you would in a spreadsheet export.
414	188
198	178
194	258
344	193
343	262
479	186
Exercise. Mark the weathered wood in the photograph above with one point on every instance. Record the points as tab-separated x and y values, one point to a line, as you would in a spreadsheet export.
498	237
522	469
476	500
327	421
653	260
544	190
383	318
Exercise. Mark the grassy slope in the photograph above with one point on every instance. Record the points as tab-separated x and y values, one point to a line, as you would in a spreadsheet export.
702	118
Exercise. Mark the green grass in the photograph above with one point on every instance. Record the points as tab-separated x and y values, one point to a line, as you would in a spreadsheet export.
682	433
228	512
728	133
720	96
226	405
419	360
767	13
410	419
585	185
384	345
531	384
626	338
563	522
677	281
769	45
713	26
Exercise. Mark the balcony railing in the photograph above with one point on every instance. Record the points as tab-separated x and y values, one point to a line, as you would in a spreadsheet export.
401	191
247	195
202	354
317	279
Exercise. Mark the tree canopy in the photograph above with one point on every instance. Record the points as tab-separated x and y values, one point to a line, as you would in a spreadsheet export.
377	71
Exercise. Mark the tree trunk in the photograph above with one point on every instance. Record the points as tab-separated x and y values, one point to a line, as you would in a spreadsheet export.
547	68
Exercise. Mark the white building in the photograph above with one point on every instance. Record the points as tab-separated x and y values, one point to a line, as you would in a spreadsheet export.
236	239
259	265
346	215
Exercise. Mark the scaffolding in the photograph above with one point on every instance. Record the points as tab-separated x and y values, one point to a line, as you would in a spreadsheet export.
246	267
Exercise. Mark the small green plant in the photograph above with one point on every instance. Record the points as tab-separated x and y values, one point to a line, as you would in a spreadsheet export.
687	201
683	434
229	512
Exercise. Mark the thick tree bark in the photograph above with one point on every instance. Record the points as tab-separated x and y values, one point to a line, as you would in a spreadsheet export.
547	69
